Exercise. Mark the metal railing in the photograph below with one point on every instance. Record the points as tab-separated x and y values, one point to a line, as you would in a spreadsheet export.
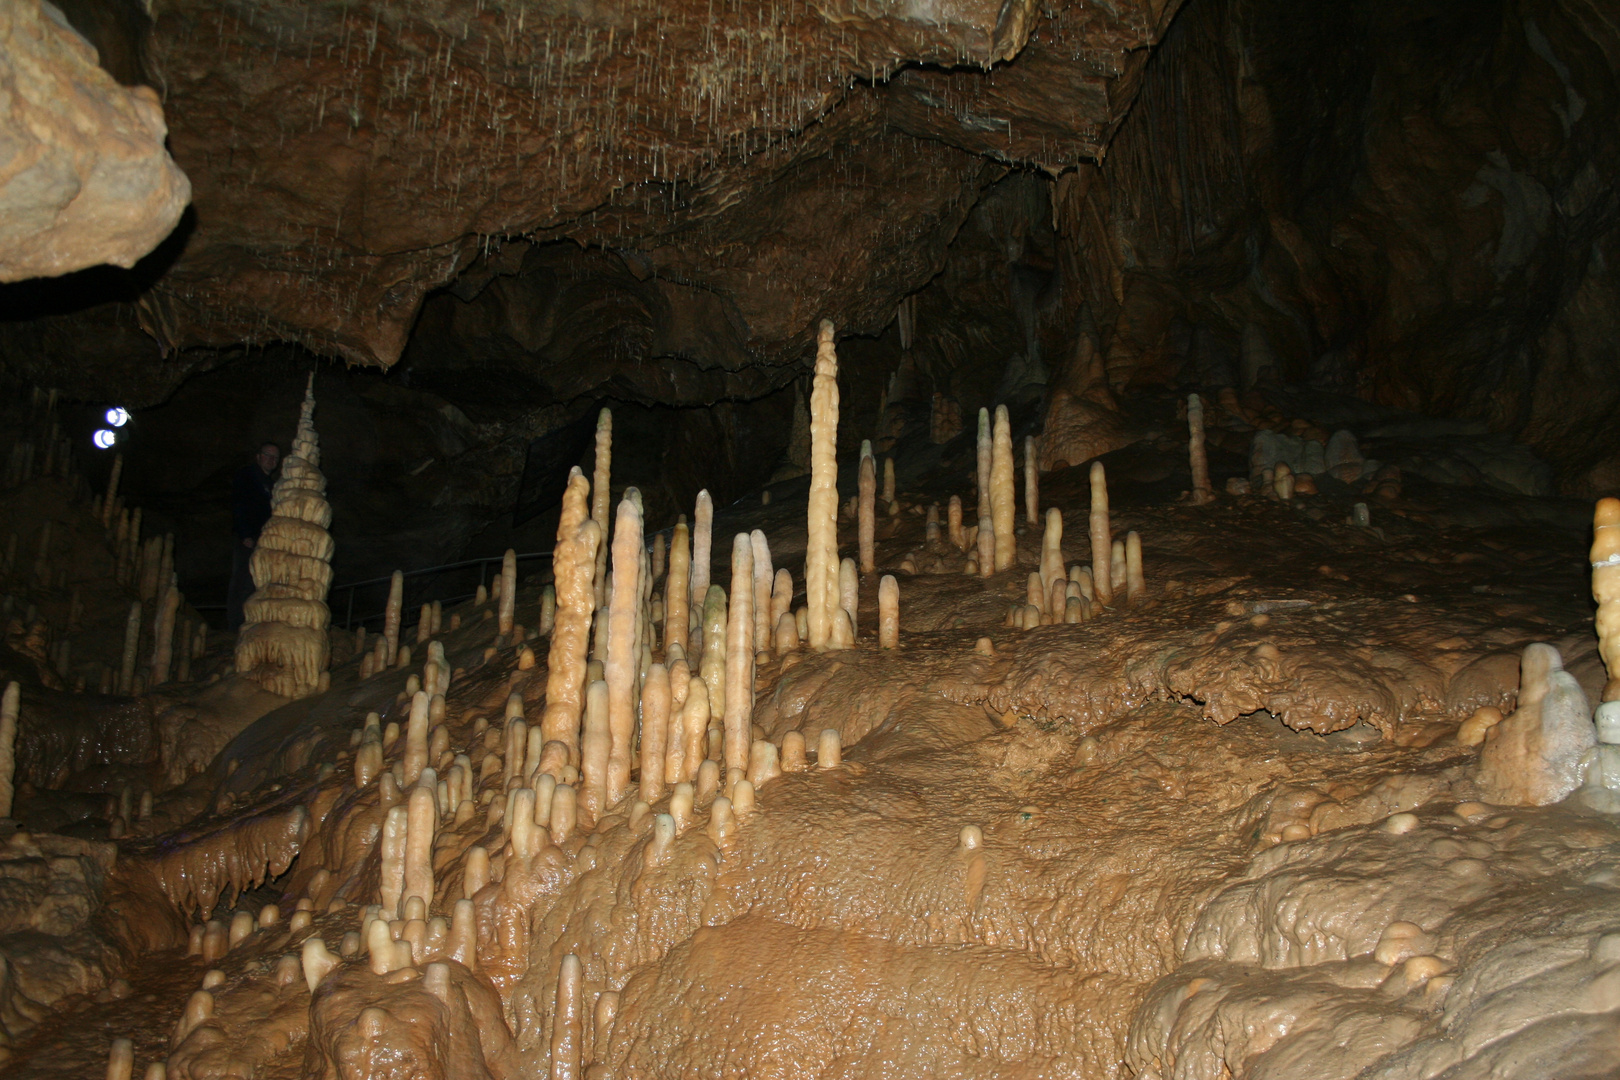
417	590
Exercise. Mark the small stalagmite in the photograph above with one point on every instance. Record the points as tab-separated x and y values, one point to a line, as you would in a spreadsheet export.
601	497
1197	456
1032	482
866	510
163	634
1052	550
849	593
821	548
421	825
573	567
677	589
986	541
984	454
568	1015
953	523
10	703
595	745
132	639
508	608
283	644
1536	755
1605	557
739	705
1135	583
1102	546
888	613
702	547
393	613
764	579
694	730
620	668
656	702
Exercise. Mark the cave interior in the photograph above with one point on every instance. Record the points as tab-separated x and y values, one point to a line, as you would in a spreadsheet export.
810	540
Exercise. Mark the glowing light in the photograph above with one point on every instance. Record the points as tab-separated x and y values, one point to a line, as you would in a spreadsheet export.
104	438
117	416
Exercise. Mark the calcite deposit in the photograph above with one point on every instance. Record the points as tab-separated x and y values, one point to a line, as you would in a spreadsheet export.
650	672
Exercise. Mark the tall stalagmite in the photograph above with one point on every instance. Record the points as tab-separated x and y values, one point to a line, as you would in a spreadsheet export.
574	567
283	645
821	549
1003	494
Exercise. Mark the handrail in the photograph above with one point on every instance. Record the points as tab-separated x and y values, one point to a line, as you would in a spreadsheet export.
482	564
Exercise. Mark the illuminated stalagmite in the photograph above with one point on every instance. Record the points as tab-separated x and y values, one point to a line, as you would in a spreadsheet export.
283	645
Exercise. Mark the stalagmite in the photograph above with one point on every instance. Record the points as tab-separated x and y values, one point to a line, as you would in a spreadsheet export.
602	498
953	523
702	545
739	703
573	565
463	941
1116	567
109	502
416	739
712	667
1197	456
317	961
1135	584
1052	550
121	1060
163	635
1102	547
986	541
393	613
829	749
1605	558
1032	481
620	668
132	638
10	703
655	717
567	1018
849	591
1534	757
421	824
1003	496
595	744
821	548
787	635
677	589
508	608
548	610
763	579
984	446
781	602
391	851
888	613
694	728
866	512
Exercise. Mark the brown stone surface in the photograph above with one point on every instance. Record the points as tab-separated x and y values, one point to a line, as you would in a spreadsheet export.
86	179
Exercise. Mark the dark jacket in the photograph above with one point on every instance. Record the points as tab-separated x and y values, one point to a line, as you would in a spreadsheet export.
250	502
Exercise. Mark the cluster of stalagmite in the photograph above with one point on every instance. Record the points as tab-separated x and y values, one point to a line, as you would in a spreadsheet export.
283	644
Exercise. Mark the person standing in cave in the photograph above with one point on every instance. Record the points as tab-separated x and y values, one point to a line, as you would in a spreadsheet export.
250	509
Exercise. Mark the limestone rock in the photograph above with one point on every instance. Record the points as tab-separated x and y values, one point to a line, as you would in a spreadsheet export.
1534	757
84	176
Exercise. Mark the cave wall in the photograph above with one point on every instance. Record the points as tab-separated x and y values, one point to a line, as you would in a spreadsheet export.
1413	203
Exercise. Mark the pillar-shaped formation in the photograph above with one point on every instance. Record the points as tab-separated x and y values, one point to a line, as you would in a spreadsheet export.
821	550
283	645
1606	589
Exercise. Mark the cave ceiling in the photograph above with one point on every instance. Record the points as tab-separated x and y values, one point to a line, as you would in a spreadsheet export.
764	164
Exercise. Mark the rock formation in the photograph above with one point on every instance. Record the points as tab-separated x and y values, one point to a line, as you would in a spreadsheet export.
283	646
86	178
